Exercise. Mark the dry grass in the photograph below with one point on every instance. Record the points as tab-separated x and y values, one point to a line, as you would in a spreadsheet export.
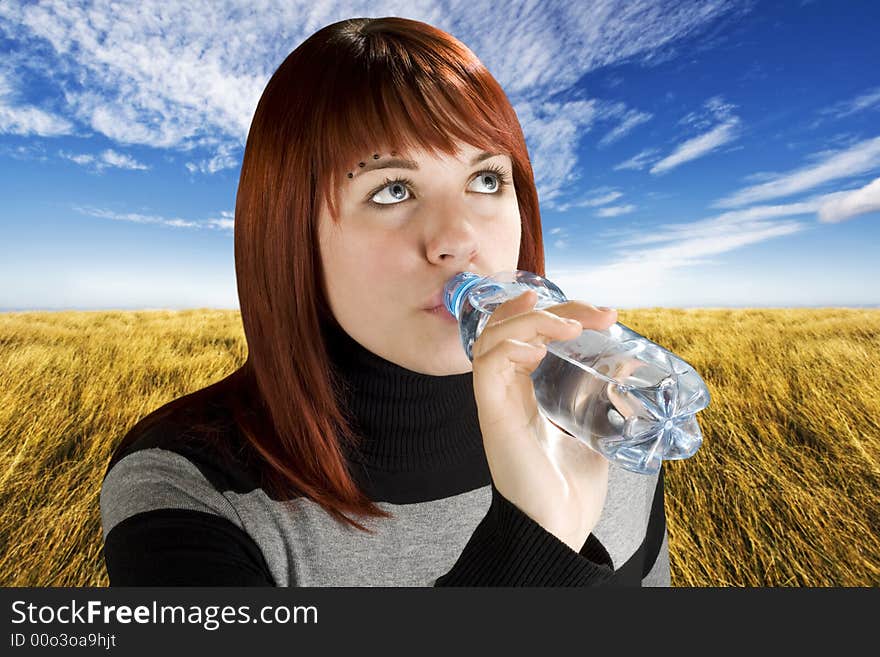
785	490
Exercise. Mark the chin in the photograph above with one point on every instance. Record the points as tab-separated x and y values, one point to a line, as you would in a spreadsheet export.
447	361
459	363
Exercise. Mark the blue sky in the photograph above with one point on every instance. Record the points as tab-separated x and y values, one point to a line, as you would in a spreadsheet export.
687	154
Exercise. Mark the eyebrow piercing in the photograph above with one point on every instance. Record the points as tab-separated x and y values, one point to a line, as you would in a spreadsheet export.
361	164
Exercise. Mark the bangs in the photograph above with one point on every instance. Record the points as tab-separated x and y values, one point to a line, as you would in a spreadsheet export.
406	98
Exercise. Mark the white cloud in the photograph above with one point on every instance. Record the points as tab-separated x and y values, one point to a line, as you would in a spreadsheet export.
155	73
24	120
594	198
719	283
655	276
628	119
639	161
714	110
601	200
189	74
615	210
553	134
82	158
225	222
561	239
534	51
698	146
653	256
107	158
653	266
858	159
694	249
655	263
223	159
19	118
121	160
553	130
722	225
870	99
841	206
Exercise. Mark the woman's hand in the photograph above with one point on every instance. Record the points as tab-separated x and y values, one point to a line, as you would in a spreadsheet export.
548	474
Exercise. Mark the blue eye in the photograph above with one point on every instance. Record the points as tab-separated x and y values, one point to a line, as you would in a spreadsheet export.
493	177
495	181
397	189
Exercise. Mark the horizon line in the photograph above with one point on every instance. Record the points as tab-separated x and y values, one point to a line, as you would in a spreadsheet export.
677	307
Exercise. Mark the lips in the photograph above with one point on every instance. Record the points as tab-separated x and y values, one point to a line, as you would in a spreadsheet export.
434	301
438	298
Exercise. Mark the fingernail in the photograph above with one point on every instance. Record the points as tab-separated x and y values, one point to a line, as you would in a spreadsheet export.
604	308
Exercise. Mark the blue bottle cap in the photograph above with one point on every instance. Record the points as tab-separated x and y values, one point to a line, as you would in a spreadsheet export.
456	288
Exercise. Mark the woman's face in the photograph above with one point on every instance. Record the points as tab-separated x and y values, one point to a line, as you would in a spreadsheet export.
397	243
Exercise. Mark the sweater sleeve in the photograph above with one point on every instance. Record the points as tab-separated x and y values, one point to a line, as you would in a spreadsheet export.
179	547
165	525
657	571
508	548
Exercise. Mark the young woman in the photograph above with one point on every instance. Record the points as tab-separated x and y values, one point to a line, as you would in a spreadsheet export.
358	445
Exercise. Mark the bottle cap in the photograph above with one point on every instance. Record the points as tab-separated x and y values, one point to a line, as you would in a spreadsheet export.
456	288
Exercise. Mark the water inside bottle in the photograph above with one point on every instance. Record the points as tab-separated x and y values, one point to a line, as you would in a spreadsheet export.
619	393
632	401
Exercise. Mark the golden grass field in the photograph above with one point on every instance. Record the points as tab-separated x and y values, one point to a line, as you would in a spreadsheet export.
785	490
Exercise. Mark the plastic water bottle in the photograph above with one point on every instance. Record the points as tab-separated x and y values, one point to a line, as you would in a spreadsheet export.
621	394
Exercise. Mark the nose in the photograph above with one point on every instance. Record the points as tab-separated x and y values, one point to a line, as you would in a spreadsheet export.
451	237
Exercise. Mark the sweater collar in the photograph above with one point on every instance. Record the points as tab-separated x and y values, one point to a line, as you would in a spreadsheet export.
408	421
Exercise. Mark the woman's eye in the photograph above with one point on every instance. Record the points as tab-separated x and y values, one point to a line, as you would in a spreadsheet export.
395	191
490	179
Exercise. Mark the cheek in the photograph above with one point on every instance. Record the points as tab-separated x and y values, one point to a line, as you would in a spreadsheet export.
510	234
363	265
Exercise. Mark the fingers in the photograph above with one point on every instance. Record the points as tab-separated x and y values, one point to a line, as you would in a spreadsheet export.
516	319
525	357
535	327
590	316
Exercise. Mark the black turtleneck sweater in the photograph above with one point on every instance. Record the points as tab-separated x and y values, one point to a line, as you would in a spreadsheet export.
176	512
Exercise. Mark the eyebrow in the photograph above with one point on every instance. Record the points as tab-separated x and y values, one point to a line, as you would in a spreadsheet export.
401	163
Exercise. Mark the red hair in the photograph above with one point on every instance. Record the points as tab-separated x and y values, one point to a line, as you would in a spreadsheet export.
351	87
